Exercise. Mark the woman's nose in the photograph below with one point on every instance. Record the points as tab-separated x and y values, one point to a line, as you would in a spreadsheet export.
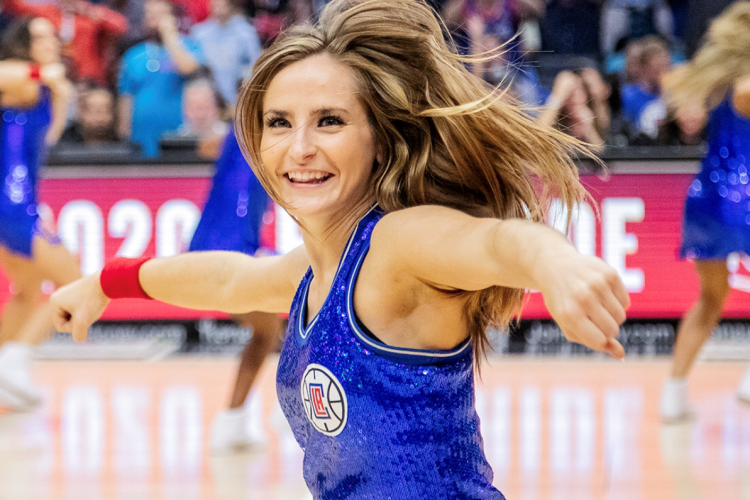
303	146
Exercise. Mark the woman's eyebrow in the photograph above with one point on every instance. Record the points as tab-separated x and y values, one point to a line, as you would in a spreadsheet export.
277	112
327	111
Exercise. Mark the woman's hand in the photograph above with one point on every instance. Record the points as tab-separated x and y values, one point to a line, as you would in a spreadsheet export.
598	88
564	85
76	306
586	298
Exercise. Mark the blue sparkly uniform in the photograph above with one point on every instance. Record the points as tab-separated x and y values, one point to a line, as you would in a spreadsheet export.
234	211
22	146
717	210
375	421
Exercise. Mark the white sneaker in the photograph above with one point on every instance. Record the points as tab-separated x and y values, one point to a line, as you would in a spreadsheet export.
229	434
17	391
743	394
11	402
674	406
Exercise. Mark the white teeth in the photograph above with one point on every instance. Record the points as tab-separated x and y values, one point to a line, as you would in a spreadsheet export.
306	176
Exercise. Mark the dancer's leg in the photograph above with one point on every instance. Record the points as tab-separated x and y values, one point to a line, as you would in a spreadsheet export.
700	321
27	282
695	329
266	337
229	431
26	320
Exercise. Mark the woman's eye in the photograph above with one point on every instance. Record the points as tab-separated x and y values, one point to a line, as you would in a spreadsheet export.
330	121
277	123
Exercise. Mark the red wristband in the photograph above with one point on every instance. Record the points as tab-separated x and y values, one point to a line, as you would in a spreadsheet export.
119	279
35	71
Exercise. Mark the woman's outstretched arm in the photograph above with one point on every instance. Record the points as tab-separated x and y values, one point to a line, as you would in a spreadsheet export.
448	249
223	281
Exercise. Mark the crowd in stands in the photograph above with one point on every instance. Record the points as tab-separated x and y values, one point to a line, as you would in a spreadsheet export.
149	69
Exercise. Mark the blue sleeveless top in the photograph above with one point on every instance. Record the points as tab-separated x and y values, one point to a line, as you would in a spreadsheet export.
375	421
22	147
717	210
234	211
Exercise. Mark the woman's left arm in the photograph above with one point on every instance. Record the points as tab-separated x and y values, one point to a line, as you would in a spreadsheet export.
61	95
451	250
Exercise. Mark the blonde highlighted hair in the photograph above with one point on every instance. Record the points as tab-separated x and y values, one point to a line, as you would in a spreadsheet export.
446	137
723	58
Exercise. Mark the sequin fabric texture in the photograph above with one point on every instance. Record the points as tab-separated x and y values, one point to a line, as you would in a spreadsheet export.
717	210
378	422
22	145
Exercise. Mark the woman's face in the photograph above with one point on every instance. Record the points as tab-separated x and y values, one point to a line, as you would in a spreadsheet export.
45	47
317	147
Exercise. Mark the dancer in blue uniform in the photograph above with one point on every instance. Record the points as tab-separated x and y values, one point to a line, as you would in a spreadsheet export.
717	210
232	219
412	185
34	96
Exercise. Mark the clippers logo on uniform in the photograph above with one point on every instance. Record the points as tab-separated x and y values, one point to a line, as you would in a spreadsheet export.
324	400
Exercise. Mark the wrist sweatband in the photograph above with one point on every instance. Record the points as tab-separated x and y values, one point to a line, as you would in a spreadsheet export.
119	279
35	71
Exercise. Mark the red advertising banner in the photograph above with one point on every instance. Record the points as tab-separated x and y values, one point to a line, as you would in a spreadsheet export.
637	231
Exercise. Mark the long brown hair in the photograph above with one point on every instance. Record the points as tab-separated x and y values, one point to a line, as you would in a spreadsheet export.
446	137
16	40
723	58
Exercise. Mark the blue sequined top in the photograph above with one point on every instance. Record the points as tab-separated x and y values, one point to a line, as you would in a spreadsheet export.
717	210
22	146
375	421
234	211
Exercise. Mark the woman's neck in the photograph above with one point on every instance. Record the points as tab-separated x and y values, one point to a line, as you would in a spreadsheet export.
325	241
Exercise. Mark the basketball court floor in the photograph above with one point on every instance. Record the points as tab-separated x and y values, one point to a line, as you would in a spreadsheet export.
576	428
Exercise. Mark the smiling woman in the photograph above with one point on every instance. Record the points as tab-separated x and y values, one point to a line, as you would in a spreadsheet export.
317	147
414	186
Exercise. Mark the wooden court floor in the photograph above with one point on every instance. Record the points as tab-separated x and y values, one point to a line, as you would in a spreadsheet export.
554	429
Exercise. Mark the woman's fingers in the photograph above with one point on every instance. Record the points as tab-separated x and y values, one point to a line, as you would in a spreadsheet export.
80	330
615	349
77	305
588	302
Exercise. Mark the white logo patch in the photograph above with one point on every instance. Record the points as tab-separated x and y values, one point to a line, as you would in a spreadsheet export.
324	400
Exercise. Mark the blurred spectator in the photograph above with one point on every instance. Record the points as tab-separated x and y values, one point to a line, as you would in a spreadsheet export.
85	30
270	17
202	120
230	44
481	26
633	58
96	119
152	74
571	27
642	106
578	106
684	127
202	110
634	19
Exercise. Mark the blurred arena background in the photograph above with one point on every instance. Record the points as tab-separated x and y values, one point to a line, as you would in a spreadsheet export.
126	414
